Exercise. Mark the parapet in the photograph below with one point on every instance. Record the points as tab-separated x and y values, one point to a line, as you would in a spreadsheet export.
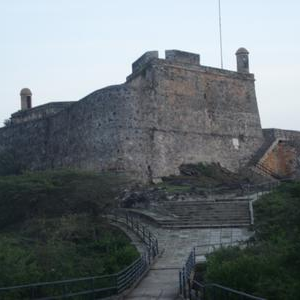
39	112
192	61
143	60
182	57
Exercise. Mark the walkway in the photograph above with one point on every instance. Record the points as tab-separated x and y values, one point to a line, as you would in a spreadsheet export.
162	280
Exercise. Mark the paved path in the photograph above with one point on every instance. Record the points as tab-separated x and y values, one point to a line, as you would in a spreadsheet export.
162	281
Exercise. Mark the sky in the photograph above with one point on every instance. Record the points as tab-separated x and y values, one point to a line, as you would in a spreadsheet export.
65	49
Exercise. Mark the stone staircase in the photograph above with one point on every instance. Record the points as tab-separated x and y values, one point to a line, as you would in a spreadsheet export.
198	214
189	214
180	225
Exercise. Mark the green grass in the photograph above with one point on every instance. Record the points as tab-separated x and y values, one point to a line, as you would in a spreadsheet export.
56	193
62	248
172	188
202	176
51	227
270	267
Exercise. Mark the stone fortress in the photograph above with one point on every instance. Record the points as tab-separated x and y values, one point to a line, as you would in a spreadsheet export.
169	112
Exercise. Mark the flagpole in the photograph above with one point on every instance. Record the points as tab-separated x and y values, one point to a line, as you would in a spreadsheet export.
220	31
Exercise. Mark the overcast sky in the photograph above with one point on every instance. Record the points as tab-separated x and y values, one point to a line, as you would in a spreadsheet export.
65	49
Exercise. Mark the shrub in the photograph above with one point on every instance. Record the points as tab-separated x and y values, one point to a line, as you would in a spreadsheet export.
56	193
269	268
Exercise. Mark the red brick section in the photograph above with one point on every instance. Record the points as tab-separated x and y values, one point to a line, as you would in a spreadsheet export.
282	160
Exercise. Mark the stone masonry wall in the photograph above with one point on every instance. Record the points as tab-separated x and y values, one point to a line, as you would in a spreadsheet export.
196	114
169	112
85	135
39	112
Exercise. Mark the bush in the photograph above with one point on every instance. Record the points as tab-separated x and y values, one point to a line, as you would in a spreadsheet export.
56	193
269	268
62	248
51	227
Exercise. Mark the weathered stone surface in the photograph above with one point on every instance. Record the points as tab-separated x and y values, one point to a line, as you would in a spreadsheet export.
39	112
283	155
143	60
183	57
242	60
168	113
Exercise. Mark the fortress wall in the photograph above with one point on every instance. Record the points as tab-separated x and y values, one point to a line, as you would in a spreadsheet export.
274	133
169	112
39	112
195	113
27	141
85	135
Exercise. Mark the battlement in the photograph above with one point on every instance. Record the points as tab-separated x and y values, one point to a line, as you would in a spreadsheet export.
176	56
191	61
182	57
142	61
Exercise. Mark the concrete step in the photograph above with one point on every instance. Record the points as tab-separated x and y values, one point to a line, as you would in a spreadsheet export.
220	225
210	210
199	214
203	214
204	220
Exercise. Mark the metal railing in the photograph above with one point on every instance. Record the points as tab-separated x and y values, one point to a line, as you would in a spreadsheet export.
264	187
211	247
268	171
81	288
147	237
213	291
195	290
185	274
95	287
241	189
260	190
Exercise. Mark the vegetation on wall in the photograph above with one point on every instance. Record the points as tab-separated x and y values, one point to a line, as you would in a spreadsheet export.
201	177
270	267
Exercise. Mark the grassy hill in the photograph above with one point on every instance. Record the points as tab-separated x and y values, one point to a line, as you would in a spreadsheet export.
51	227
270	267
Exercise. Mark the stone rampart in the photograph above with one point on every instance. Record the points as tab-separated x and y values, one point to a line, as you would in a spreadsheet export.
39	112
169	112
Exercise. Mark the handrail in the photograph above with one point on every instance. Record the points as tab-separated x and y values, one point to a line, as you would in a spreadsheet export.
264	186
140	230
268	187
186	271
245	189
187	285
203	291
95	286
55	282
220	245
268	171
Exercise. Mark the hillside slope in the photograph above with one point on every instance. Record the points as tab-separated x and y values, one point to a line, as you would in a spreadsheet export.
270	266
51	227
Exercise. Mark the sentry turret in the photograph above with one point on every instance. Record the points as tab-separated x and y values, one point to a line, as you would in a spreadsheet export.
242	60
26	99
